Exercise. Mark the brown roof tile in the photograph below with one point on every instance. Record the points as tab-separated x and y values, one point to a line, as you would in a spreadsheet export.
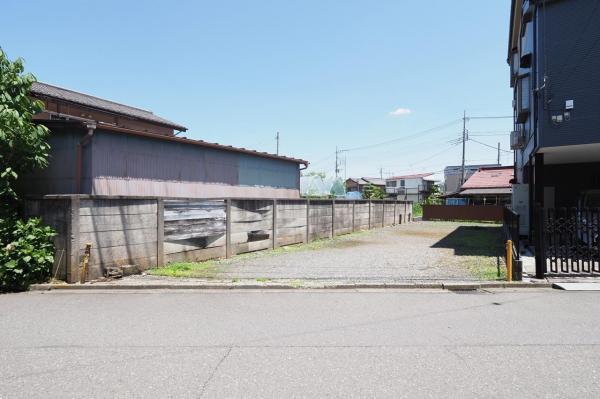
46	90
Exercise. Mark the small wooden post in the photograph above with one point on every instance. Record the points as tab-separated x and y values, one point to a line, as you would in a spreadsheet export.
228	228
274	241
84	263
395	203
509	260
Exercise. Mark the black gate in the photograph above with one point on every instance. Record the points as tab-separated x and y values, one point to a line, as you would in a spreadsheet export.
567	242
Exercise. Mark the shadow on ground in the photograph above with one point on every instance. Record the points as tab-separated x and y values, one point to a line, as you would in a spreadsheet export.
473	241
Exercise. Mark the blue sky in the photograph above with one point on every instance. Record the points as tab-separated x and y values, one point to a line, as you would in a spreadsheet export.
322	73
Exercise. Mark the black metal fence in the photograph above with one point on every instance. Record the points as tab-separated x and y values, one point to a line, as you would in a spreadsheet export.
568	241
510	224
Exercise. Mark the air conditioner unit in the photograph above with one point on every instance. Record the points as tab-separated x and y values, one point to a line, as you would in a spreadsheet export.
517	139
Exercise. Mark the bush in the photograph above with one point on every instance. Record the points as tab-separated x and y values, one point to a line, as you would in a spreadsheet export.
26	253
417	209
373	192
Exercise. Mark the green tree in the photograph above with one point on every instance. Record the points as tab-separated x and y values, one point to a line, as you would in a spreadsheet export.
26	246
23	145
435	196
373	192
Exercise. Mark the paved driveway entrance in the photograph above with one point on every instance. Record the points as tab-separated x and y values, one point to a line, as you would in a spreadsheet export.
429	251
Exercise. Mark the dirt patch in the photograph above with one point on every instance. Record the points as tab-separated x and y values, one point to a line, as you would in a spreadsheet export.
341	244
428	251
421	233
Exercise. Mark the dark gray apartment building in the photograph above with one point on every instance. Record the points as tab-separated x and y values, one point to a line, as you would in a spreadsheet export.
554	58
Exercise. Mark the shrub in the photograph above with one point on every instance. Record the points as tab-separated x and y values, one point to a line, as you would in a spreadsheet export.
26	253
373	192
417	209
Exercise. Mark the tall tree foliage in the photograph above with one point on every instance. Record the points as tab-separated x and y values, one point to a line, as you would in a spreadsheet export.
23	145
373	192
26	246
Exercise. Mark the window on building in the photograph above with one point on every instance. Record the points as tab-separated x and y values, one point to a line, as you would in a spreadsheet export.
390	183
523	92
402	183
526	46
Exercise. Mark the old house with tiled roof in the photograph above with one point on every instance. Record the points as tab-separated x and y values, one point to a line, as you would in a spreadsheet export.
488	186
102	147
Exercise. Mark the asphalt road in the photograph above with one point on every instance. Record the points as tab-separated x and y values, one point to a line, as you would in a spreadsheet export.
522	343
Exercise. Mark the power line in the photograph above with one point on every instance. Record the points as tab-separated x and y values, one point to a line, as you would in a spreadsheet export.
487	145
427	131
490	117
489	135
327	158
425	159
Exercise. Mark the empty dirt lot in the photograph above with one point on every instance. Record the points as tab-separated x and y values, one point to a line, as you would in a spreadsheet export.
428	251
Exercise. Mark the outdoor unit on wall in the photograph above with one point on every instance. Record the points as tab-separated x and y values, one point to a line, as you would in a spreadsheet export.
517	138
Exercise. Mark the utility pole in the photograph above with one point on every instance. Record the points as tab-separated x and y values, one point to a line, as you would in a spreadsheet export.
498	154
336	162
345	167
381	173
464	139
277	138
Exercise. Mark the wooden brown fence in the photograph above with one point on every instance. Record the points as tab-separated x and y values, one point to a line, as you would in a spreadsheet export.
493	213
150	232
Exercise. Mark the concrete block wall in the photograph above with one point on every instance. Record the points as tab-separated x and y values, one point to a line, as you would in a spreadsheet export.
151	232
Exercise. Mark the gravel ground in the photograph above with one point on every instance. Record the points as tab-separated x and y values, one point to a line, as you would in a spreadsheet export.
406	252
418	251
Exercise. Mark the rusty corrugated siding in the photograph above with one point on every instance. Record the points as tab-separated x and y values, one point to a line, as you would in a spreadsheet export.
120	164
59	176
132	165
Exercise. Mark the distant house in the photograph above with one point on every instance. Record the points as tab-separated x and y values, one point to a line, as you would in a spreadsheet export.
487	186
106	148
453	175
357	184
415	187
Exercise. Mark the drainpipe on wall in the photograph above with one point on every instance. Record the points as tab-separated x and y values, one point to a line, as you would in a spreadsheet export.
91	127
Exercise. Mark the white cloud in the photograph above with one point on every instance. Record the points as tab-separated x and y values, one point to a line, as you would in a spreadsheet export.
400	112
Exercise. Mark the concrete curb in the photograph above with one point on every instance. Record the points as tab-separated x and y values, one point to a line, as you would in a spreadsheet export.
451	286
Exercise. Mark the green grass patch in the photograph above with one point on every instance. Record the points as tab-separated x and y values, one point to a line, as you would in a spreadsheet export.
296	283
210	269
207	269
478	249
485	268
